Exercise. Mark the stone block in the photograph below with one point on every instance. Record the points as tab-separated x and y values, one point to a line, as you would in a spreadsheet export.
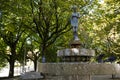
79	68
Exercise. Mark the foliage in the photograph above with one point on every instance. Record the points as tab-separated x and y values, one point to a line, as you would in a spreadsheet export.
106	28
2	57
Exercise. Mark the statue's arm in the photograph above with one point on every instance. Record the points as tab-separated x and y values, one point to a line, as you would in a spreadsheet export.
79	15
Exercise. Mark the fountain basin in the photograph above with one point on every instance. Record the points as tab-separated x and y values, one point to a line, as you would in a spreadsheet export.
77	70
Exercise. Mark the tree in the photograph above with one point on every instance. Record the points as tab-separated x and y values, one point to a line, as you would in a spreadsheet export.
105	20
11	31
11	40
48	18
32	49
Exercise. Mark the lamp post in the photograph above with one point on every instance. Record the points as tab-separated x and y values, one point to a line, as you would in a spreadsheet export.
28	42
23	68
0	14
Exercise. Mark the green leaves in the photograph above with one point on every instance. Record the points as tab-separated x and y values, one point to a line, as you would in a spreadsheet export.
47	22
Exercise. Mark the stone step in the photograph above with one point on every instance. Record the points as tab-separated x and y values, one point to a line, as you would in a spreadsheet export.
31	76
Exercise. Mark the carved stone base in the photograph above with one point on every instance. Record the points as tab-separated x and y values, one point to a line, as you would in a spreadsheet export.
75	44
75	55
75	59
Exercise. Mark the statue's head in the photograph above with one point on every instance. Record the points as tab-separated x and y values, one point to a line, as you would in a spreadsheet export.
74	7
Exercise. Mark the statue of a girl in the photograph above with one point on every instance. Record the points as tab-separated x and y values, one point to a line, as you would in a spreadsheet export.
74	22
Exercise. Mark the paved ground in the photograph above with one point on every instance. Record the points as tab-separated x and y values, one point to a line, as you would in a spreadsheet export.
104	77
100	77
18	70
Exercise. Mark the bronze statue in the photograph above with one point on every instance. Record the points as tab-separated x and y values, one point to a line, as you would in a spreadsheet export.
74	22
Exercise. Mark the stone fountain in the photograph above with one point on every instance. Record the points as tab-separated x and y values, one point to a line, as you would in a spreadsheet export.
75	61
75	53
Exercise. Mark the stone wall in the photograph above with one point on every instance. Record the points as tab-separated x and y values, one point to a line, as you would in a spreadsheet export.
77	71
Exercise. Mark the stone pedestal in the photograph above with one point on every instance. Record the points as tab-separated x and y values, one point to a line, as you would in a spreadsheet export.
75	54
75	44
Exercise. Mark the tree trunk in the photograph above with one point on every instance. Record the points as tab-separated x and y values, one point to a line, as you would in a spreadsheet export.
35	63
43	54
12	60
11	70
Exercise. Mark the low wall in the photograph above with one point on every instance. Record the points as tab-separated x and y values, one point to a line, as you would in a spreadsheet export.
70	71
